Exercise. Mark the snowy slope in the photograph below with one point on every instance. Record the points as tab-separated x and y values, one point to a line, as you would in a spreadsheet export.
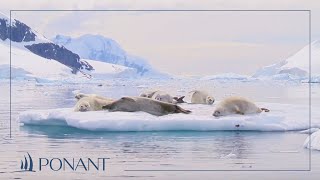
295	66
103	70
97	47
24	37
26	65
21	32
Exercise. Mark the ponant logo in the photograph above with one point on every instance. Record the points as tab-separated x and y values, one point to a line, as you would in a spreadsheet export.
62	164
27	164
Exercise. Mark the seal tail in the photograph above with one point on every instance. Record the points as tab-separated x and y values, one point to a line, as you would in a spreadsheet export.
265	109
179	99
181	110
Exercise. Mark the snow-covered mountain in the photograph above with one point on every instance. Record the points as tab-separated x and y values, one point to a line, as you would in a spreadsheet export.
97	47
25	37
26	65
35	57
295	66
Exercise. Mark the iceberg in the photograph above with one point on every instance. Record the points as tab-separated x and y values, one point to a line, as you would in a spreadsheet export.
315	141
295	67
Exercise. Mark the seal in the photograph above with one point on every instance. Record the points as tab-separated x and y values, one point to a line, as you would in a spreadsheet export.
91	103
81	95
165	97
151	106
162	96
147	94
201	97
237	105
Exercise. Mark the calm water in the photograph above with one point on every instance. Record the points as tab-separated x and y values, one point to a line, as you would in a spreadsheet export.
129	151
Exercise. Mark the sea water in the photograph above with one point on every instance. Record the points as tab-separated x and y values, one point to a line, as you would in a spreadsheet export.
155	154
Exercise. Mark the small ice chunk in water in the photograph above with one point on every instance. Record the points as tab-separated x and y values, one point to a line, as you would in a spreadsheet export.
229	156
309	131
315	141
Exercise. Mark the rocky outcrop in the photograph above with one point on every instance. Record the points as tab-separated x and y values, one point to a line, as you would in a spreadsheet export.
61	54
20	32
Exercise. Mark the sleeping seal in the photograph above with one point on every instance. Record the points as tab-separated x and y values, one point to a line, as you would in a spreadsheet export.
201	97
147	94
154	107
81	95
237	105
162	96
90	103
165	97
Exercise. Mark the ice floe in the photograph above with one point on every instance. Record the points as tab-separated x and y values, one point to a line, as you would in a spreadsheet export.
282	117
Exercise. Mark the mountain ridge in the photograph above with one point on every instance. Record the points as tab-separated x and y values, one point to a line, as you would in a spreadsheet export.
100	48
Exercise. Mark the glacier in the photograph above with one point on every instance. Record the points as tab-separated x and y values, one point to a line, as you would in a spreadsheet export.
100	48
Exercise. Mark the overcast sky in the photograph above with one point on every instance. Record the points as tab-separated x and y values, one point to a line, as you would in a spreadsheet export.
189	43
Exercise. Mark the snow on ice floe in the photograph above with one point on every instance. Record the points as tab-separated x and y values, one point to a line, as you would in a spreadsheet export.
315	141
283	117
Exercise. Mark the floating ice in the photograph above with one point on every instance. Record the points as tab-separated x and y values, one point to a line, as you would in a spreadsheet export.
309	131
282	117
226	76
315	141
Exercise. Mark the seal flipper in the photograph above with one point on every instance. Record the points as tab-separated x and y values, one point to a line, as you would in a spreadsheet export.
108	106
128	98
179	99
181	110
265	109
238	112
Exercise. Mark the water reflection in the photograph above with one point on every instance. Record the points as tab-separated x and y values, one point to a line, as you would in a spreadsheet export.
212	144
